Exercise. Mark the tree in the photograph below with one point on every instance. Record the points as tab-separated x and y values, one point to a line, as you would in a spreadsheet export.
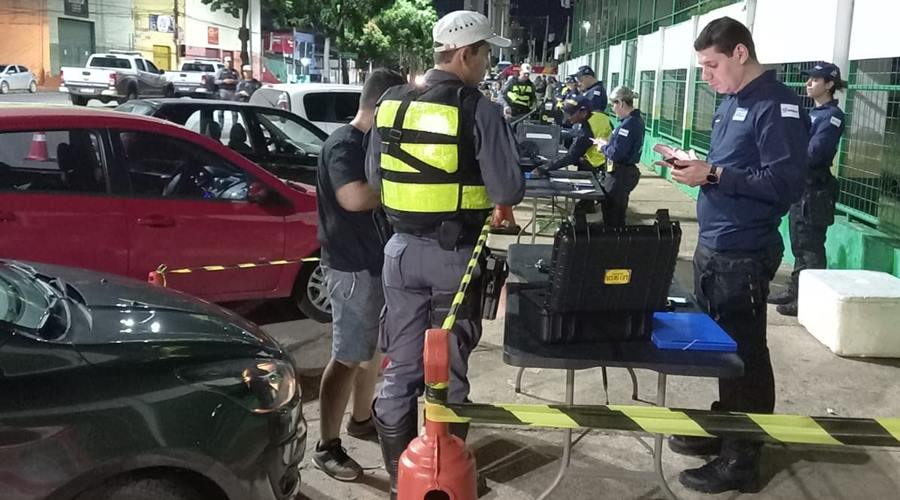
408	25
240	10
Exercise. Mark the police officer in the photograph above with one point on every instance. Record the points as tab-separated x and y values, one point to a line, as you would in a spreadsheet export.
623	152
810	217
588	127
441	155
520	94
591	88
755	170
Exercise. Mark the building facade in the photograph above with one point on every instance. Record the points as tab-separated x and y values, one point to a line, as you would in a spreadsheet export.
648	44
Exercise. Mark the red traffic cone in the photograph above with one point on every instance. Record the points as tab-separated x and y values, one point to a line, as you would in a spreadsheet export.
38	150
436	461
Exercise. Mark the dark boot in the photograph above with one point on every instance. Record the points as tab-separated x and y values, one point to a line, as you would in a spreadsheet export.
783	297
789	309
695	446
394	441
736	469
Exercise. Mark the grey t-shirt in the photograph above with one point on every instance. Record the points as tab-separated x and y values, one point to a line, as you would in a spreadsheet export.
495	149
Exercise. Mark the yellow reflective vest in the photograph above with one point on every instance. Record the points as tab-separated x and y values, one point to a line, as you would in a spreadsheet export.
428	168
601	128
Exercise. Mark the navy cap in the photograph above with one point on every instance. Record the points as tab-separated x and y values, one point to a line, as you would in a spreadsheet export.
824	70
584	71
570	79
576	104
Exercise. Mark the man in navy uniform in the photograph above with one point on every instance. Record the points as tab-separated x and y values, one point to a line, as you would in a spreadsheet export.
755	170
591	88
810	217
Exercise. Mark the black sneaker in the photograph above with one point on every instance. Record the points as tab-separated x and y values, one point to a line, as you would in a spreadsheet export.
333	460
789	309
783	297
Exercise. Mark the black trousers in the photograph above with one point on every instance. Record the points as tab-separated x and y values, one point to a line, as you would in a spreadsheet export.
809	220
618	185
732	288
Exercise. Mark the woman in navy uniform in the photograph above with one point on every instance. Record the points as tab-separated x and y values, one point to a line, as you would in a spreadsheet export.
810	217
623	152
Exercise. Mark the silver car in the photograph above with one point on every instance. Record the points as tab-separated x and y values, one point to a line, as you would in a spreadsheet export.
16	77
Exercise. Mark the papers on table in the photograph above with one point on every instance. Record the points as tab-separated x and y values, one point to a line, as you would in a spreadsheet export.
574	182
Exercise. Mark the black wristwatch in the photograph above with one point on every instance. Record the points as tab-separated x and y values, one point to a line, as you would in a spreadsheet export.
712	177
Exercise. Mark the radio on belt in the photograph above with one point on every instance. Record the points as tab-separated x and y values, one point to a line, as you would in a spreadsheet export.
605	282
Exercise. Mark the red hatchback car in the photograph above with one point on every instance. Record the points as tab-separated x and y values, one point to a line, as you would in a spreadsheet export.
123	194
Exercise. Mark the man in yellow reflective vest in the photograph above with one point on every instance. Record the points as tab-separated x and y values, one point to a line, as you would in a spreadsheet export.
441	156
519	95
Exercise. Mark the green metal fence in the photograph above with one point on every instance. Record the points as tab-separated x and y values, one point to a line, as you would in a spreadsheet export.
671	118
601	23
706	101
645	97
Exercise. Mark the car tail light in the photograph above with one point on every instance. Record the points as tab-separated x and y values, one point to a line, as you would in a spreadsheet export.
112	80
283	102
62	78
204	80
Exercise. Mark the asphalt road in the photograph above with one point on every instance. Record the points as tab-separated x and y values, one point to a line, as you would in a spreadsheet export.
47	97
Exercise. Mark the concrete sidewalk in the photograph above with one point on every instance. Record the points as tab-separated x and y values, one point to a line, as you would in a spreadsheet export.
519	462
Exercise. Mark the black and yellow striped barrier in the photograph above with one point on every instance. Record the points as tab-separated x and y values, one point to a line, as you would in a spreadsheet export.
657	420
467	276
158	277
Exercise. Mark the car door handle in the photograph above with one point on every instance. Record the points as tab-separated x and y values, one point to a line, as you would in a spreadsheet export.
7	216
156	221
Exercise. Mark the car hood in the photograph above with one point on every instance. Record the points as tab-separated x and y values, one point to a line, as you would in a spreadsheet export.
121	310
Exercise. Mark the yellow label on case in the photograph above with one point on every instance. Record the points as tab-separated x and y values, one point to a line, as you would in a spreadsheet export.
617	277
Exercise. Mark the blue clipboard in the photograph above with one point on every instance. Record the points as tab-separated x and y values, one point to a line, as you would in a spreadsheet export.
690	332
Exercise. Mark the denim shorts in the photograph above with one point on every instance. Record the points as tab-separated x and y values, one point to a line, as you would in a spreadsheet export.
356	302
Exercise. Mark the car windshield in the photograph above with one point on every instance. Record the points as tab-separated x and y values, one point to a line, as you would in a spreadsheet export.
136	108
25	301
293	131
197	67
110	62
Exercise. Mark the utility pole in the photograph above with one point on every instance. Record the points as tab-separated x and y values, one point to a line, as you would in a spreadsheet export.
546	36
175	32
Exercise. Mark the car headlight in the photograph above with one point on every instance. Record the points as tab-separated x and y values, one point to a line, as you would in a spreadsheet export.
260	385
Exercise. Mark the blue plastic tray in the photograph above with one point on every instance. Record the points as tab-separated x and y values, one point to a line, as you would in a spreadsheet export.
690	332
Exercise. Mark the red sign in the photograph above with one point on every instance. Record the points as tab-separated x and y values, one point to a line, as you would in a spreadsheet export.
212	35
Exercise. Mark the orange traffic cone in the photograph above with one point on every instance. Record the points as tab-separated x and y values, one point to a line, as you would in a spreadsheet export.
38	150
436	461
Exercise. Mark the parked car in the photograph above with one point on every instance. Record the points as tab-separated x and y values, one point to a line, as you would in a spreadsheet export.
279	141
123	194
115	389
327	105
195	78
16	77
114	76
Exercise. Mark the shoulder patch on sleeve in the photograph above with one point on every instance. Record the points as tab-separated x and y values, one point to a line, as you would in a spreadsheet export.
623	132
836	121
790	111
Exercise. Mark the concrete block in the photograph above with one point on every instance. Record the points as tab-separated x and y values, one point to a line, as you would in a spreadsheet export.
852	312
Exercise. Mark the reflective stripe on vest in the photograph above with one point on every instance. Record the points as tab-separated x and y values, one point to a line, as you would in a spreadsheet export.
520	94
602	129
425	195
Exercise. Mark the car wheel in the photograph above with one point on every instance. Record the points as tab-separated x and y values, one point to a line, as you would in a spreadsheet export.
137	488
130	96
311	294
32	87
169	92
79	101
4	88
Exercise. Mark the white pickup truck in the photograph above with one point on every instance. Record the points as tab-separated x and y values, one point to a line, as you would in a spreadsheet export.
196	77
114	76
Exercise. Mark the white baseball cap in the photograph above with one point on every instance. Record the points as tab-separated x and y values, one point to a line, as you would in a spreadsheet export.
464	27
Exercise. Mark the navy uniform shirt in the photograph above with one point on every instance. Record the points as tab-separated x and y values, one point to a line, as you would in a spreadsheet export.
827	127
626	141
759	138
597	94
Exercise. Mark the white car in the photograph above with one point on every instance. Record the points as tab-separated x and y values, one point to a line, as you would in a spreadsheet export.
16	77
328	105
